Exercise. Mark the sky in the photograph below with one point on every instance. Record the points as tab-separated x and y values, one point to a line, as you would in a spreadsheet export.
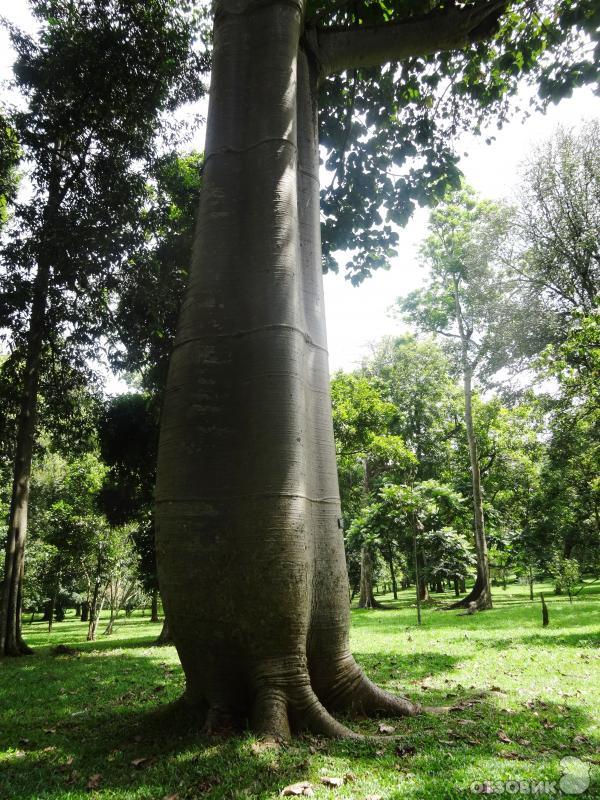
359	316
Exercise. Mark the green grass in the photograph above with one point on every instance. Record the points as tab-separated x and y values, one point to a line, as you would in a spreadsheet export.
64	719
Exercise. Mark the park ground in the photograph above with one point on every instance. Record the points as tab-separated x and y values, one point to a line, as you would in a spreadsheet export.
100	722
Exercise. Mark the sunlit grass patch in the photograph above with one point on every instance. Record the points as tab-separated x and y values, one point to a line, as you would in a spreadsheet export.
522	698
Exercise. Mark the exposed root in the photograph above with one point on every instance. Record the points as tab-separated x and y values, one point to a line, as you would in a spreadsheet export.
220	722
285	700
344	686
370	699
270	715
478	595
18	648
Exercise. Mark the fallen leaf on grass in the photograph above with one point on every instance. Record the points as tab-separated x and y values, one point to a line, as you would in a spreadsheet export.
49	749
373	797
24	742
511	755
72	778
138	763
405	750
94	781
19	753
49	730
465	721
581	739
548	725
171	797
524	742
504	738
386	728
207	784
332	782
263	745
350	777
296	789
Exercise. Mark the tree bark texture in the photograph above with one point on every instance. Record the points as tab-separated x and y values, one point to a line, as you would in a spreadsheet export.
247	480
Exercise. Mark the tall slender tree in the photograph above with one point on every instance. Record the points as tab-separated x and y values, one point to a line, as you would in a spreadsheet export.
247	486
467	302
95	82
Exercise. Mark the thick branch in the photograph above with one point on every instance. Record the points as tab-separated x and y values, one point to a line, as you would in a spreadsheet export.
370	46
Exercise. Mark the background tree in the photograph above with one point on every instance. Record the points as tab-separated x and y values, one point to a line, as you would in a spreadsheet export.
95	81
368	455
150	294
128	434
556	256
466	301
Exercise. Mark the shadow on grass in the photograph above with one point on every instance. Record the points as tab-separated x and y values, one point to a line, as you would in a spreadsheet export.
57	757
549	639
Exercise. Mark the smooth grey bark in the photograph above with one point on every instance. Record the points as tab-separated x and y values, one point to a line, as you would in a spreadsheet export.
370	46
247	479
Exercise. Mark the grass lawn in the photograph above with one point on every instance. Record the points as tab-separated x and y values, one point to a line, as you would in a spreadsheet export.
99	724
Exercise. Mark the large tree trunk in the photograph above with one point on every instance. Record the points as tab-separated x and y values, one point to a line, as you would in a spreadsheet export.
247	481
481	593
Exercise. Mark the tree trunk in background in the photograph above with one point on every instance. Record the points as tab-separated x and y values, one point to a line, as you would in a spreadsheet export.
393	576
367	597
456	591
247	479
96	605
530	581
164	636
154	613
481	592
367	555
11	641
85	611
